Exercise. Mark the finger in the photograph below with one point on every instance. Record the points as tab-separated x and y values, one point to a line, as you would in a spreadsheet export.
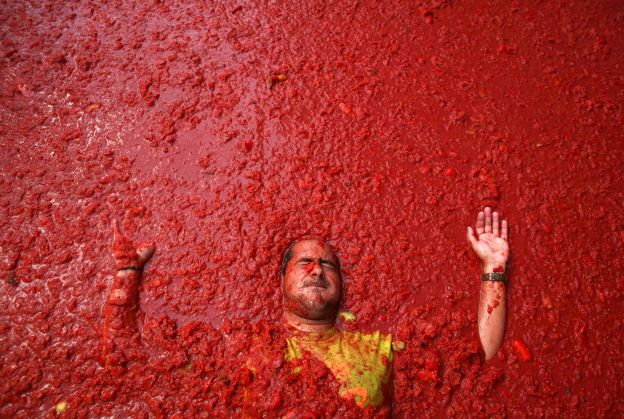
504	232
488	219
495	223
480	222
470	236
116	231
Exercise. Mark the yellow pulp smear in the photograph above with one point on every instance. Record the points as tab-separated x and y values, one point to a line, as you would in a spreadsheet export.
360	361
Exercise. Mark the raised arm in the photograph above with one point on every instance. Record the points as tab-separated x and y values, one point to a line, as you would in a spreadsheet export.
492	247
119	340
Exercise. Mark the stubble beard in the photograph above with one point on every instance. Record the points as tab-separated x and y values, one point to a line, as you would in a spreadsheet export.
314	306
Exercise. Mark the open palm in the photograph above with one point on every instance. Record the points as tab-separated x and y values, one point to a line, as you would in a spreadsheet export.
490	243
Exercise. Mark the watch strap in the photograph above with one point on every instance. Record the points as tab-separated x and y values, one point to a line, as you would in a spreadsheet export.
494	276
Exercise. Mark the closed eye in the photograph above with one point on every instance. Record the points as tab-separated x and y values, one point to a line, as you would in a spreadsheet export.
328	263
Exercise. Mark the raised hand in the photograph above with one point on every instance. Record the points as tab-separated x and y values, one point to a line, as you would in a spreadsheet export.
490	244
118	343
126	254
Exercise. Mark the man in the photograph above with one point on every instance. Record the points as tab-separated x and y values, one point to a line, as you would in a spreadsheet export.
312	290
312	286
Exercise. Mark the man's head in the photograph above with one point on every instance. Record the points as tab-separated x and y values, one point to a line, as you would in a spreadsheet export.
311	280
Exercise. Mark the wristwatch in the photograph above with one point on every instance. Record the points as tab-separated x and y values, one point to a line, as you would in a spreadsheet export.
494	276
129	268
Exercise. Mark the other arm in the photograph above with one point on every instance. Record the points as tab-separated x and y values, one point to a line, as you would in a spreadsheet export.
493	249
119	328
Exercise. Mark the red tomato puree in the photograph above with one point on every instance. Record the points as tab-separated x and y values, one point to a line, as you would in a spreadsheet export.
222	131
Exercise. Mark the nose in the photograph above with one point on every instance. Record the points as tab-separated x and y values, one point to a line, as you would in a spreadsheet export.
316	269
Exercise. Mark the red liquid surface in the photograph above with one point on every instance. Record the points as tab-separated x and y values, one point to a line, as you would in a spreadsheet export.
223	132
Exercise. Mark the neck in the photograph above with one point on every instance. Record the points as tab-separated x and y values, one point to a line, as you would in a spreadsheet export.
308	325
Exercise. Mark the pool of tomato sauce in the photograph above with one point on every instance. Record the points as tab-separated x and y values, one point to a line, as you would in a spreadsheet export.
223	132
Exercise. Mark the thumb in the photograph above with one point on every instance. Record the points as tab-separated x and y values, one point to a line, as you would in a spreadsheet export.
470	237
145	251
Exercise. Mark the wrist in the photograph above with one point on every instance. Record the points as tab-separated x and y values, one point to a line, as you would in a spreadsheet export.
121	264
489	267
127	271
129	268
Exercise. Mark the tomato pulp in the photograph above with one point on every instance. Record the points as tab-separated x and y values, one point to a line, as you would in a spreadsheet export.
224	131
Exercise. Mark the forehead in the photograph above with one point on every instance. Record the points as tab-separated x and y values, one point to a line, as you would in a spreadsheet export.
313	248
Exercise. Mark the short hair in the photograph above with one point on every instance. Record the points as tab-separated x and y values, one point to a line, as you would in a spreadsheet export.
288	254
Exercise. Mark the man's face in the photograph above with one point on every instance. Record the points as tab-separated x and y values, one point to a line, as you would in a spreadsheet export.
312	283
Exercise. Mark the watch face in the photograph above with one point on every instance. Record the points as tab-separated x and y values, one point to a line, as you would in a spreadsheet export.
494	276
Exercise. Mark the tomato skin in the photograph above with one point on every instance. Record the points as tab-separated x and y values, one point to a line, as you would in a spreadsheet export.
521	350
